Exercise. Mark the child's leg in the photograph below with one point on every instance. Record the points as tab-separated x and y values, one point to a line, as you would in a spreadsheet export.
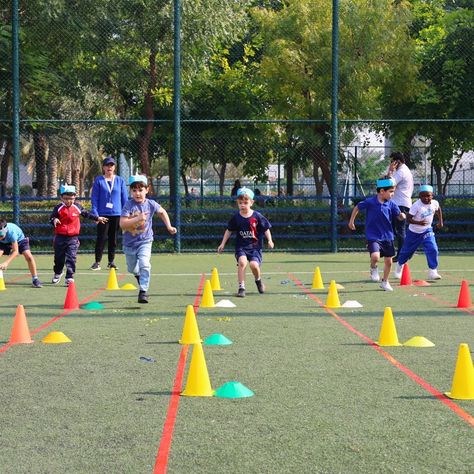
59	254
411	243
241	266
374	259
71	256
431	250
144	265
255	267
31	262
132	261
387	267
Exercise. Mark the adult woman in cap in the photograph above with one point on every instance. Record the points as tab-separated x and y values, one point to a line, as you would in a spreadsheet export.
108	196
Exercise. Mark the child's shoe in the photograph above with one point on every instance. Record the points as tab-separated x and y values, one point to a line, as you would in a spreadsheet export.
385	285
397	272
374	274
56	278
142	296
95	266
433	274
241	293
260	286
36	283
112	265
68	281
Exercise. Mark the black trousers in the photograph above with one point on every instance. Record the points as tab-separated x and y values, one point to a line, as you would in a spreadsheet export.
107	233
400	229
65	252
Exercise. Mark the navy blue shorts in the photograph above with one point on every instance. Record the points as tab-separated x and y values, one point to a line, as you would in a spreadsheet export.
252	255
22	246
385	247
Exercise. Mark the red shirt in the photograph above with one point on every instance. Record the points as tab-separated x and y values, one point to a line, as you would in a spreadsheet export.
70	219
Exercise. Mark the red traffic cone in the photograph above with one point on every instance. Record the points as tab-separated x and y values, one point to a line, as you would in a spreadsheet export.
71	301
464	300
20	333
406	276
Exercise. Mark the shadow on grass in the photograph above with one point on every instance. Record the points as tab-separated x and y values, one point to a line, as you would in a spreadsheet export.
165	393
418	397
163	342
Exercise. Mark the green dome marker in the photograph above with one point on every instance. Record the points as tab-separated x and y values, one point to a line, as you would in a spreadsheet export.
233	390
217	340
93	306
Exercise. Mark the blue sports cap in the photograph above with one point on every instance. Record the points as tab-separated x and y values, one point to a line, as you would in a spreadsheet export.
67	189
385	183
138	178
426	188
245	192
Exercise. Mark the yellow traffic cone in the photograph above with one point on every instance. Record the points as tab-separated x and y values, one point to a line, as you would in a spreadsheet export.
198	383
215	283
2	281
317	280
190	333
112	283
332	301
463	380
207	300
388	331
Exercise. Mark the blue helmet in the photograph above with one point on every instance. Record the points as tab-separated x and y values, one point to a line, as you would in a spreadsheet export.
67	189
138	178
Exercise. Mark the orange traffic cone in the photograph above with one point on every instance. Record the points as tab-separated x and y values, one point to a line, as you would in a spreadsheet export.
406	276
464	300
20	332
71	301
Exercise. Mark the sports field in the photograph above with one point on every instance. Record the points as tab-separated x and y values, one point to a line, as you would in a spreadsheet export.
327	399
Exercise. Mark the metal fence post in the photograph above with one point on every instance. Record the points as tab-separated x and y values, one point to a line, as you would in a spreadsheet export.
16	110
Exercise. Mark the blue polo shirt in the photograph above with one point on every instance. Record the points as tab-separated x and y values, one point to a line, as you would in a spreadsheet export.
14	234
378	218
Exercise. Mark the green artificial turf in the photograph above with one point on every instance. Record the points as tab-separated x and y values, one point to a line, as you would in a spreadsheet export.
325	400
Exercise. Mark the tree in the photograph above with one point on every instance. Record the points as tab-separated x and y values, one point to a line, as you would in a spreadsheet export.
296	63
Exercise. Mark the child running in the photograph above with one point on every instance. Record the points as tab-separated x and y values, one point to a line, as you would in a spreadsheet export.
13	243
378	228
136	223
67	226
420	232
250	226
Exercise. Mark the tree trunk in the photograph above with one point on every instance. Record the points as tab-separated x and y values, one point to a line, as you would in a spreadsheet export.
148	112
53	171
320	160
318	182
68	166
40	145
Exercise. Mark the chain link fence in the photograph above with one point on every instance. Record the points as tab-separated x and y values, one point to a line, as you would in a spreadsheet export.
96	79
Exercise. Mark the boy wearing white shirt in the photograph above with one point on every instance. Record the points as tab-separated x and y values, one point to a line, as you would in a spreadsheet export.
420	218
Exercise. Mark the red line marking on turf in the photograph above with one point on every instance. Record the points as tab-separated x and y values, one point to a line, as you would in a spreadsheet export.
161	461
416	378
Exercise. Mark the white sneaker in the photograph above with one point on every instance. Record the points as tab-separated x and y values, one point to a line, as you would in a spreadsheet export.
385	285
68	281
397	272
433	274
56	278
374	274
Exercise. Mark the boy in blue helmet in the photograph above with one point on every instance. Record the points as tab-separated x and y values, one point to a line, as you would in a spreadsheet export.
67	225
13	243
136	223
250	227
420	232
380	211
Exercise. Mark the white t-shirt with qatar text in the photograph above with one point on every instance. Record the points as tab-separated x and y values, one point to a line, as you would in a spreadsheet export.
423	212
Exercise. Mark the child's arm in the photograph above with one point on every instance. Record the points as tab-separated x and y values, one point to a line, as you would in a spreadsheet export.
93	217
166	220
128	222
54	217
351	224
439	215
412	221
14	253
402	216
268	236
225	238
